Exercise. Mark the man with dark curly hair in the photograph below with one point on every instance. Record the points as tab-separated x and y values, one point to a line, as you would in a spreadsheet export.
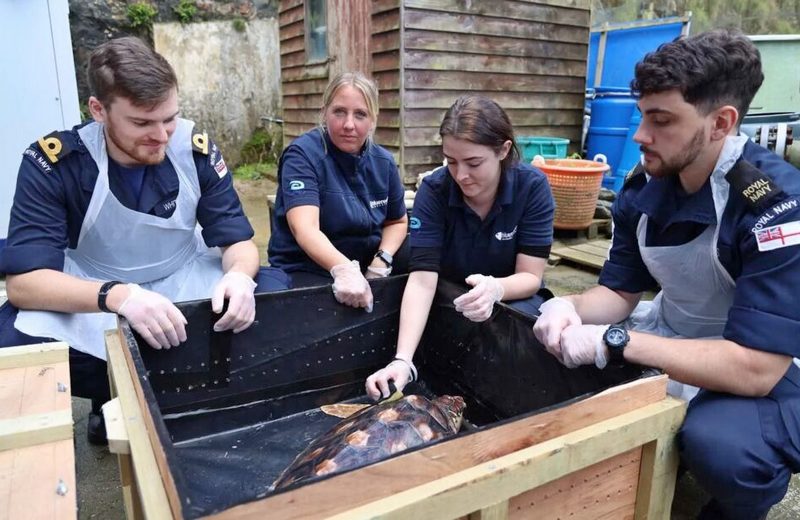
713	220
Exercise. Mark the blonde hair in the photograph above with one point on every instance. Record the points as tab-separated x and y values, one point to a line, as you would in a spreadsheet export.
357	80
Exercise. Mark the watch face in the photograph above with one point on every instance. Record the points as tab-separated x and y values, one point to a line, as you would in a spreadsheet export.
616	337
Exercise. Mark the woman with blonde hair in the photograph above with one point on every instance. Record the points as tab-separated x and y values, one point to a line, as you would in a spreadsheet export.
339	212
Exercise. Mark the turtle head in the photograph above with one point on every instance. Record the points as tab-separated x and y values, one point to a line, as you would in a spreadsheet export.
453	407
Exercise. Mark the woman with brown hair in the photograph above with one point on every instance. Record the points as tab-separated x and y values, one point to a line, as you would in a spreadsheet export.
486	218
339	212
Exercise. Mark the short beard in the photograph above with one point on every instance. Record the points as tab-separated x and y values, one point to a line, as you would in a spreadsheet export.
131	151
674	167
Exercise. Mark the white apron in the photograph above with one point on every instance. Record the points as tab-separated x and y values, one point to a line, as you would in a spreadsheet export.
696	290
167	256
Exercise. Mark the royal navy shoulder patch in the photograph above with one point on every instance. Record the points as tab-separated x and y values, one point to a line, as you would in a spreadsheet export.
753	185
53	147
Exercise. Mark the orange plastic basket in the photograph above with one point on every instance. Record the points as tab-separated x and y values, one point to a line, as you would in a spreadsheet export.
576	185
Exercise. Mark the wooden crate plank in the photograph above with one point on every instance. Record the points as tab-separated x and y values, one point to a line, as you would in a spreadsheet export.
30	478
657	479
497	511
41	389
606	490
116	433
28	430
421	467
149	484
510	475
36	354
11	392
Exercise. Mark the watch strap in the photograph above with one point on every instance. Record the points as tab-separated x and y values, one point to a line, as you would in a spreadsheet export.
384	257
102	295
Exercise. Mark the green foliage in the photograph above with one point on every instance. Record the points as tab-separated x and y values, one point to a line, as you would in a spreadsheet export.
750	16
263	147
141	14
239	25
256	171
185	10
85	113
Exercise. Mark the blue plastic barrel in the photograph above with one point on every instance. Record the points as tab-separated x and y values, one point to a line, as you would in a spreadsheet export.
630	151
612	109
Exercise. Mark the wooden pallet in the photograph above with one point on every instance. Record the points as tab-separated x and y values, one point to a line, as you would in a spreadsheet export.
37	459
598	227
592	253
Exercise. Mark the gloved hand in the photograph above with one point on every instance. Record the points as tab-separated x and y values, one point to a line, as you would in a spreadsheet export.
400	371
378	272
584	345
477	304
555	315
238	288
154	317
350	287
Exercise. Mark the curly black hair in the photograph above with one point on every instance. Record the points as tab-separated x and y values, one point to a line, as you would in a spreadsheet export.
711	69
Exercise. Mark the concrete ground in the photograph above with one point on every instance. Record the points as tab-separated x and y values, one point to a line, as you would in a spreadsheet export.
99	495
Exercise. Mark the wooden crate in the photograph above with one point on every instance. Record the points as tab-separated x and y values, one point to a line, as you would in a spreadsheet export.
37	459
610	456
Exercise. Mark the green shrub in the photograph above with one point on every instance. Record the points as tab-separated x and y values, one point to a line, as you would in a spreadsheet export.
256	171
185	10
141	14
263	147
239	25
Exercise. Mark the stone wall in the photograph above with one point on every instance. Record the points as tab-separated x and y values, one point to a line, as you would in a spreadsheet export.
228	78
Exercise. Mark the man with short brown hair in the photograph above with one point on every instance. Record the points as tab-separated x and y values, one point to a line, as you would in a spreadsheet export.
124	215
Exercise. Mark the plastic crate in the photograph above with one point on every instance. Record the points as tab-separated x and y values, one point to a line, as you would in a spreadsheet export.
547	147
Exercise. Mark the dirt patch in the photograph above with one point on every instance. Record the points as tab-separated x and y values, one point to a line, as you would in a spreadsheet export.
253	195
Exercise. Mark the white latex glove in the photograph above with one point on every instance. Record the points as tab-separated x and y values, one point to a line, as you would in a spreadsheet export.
154	317
584	345
378	272
477	304
399	371
238	288
555	315
350	287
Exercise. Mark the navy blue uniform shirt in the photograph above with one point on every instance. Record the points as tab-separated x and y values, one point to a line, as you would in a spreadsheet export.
52	198
449	238
764	314
355	195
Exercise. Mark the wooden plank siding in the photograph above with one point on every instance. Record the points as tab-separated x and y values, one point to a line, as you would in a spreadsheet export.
529	56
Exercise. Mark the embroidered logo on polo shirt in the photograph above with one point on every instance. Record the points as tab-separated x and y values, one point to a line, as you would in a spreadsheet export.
415	223
777	237
297	185
378	203
506	236
220	167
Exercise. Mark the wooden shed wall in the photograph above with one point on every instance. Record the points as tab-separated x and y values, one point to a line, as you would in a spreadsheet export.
528	56
302	84
386	48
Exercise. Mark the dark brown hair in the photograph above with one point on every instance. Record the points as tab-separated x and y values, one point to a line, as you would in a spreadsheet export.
127	67
480	120
710	69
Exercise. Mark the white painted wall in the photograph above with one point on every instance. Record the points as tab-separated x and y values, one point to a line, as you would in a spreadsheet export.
38	92
227	79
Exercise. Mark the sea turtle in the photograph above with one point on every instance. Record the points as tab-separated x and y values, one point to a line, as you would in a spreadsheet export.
375	433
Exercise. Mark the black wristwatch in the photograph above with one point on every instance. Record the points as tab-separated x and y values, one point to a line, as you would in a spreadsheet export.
384	257
103	294
616	338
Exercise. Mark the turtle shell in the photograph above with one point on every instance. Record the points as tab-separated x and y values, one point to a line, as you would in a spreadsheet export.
374	434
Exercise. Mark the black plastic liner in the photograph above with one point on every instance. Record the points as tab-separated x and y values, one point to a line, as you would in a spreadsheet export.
233	410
